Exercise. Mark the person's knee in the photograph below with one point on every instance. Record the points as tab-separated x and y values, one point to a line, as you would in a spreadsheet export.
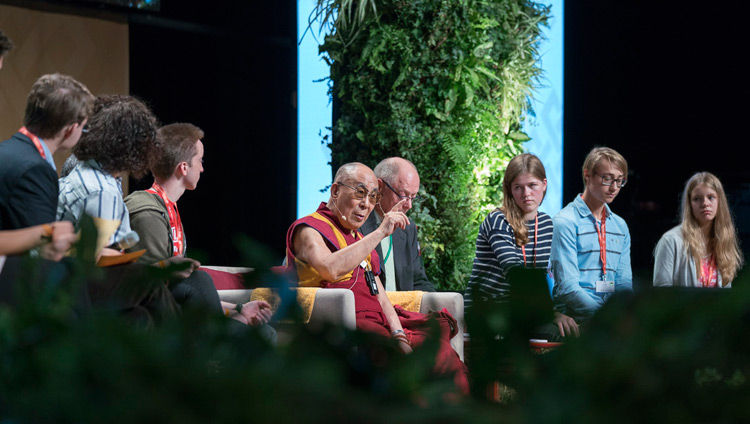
197	290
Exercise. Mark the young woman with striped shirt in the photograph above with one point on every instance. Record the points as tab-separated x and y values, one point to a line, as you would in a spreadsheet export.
517	234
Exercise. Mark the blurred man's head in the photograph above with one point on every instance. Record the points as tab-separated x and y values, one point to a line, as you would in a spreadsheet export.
398	180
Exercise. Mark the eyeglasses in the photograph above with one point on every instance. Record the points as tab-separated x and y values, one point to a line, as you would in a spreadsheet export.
414	198
607	180
361	192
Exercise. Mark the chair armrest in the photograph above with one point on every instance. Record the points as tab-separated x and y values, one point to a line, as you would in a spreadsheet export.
454	303
332	306
235	296
230	269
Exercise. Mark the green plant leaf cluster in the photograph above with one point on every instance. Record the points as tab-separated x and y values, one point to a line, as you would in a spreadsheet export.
446	85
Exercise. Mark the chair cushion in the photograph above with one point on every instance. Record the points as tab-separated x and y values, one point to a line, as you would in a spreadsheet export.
225	280
408	300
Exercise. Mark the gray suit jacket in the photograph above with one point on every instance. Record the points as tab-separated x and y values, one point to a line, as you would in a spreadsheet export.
407	262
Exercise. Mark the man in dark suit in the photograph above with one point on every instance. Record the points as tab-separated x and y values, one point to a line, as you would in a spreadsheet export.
398	180
57	110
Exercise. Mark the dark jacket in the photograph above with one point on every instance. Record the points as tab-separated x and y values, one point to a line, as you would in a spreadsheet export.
28	185
407	261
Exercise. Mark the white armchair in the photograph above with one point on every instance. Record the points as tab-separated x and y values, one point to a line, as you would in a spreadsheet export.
336	306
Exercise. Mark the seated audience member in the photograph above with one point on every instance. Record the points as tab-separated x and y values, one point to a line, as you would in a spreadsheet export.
57	110
401	265
327	250
515	235
590	258
120	139
702	251
53	240
154	215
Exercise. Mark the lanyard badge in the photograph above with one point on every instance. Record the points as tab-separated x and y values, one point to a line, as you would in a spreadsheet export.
523	248
175	222
603	285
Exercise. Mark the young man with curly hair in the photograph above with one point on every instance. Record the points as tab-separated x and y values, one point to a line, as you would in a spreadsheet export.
120	138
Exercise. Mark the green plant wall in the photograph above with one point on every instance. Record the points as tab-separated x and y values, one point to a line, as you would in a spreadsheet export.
444	84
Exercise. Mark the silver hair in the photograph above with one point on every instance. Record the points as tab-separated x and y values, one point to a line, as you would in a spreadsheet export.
388	168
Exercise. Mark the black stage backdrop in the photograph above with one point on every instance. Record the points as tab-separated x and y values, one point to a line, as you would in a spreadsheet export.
663	83
230	68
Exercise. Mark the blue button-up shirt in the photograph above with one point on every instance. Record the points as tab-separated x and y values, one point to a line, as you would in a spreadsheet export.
91	190
575	261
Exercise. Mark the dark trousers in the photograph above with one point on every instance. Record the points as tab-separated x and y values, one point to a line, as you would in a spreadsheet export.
131	290
23	277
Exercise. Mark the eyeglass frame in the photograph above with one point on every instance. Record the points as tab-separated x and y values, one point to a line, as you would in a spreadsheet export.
619	181
413	199
367	192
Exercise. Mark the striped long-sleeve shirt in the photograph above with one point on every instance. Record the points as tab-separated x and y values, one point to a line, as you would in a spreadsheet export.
497	252
90	189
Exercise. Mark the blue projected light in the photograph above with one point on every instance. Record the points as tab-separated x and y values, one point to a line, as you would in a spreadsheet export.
546	129
314	114
313	117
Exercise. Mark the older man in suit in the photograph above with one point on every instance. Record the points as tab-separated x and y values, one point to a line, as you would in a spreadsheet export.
401	261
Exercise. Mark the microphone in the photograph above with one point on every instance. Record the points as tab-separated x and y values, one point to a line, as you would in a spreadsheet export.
126	242
337	208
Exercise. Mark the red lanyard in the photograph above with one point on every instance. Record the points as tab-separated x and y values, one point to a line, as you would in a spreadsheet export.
175	223
523	248
35	140
708	269
602	233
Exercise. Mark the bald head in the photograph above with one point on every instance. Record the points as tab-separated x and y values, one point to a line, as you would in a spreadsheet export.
349	179
397	179
349	171
389	169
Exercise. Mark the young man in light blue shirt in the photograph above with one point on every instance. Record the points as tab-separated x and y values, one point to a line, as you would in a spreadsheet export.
584	277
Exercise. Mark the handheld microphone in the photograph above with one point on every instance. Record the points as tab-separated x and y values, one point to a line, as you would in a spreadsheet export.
337	208
126	242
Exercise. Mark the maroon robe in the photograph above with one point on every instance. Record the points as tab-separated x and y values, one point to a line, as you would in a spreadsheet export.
369	313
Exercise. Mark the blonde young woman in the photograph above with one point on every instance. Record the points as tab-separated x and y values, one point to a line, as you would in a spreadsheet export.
702	251
517	234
